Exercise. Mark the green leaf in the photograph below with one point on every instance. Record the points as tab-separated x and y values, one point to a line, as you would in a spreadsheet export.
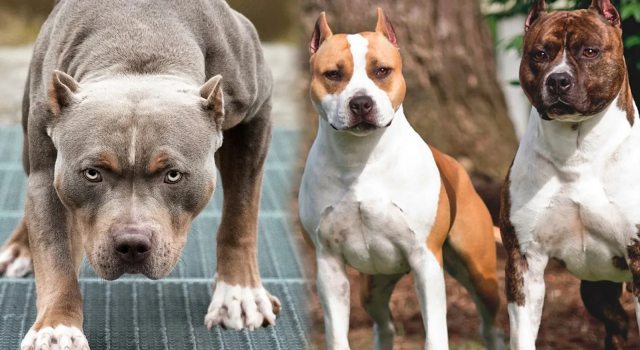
631	41
514	42
514	83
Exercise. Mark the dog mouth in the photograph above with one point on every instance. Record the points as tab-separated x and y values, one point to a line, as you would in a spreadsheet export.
362	127
559	109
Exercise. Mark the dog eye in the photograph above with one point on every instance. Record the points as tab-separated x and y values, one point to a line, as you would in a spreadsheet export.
333	75
173	176
383	72
590	53
539	56
92	175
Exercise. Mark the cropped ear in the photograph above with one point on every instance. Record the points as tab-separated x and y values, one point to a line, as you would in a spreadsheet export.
62	92
320	33
385	28
606	8
212	92
538	8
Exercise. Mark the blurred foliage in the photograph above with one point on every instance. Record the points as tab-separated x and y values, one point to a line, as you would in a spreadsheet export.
20	20
629	12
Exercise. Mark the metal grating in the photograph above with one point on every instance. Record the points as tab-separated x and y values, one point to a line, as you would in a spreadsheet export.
137	313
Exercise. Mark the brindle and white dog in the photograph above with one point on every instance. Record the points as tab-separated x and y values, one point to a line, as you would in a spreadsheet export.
573	191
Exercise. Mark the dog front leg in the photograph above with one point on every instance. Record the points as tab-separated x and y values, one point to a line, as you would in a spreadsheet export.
525	297
334	292
239	299
428	276
56	258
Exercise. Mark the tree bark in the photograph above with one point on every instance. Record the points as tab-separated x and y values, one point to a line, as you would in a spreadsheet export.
453	97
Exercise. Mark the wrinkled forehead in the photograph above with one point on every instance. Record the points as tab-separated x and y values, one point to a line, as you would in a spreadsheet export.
334	53
342	51
568	28
134	131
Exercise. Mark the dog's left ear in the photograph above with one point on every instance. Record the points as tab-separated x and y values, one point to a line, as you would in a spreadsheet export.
212	92
606	8
385	28
62	92
538	8
320	33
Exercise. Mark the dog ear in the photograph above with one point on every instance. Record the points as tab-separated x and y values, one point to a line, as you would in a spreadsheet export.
538	8
62	90
385	28
606	8
212	92
320	33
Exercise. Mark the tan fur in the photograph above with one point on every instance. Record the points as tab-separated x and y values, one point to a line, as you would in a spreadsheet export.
59	300
158	162
471	234
382	54
109	161
334	54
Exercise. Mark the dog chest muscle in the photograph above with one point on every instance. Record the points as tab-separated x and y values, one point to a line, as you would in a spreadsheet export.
584	215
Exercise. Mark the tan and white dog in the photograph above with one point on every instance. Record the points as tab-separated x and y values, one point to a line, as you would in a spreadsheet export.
573	193
375	197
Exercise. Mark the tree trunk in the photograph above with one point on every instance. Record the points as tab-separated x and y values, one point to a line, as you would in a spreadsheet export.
453	97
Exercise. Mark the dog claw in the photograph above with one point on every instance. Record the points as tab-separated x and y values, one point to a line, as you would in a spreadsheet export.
241	307
66	338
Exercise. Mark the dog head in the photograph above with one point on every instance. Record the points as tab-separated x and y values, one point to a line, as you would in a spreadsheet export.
135	165
356	80
572	61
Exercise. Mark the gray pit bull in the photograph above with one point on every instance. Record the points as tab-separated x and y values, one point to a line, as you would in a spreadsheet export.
124	117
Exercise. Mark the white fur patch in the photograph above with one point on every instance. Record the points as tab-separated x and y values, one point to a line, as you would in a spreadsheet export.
429	282
12	265
239	307
132	146
60	338
19	267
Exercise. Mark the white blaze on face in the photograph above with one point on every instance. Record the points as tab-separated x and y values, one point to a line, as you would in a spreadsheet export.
132	147
335	107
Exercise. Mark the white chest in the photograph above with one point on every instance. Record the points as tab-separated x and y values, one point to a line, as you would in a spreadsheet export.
372	215
581	208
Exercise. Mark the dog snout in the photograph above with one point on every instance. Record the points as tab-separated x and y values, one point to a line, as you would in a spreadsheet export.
132	245
559	83
361	105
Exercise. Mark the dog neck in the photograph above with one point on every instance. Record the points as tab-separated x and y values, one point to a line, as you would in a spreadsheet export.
349	151
565	142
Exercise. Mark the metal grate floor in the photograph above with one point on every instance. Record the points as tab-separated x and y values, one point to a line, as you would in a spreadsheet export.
137	313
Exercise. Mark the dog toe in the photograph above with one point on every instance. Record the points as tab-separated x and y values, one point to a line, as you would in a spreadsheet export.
62	338
15	262
241	307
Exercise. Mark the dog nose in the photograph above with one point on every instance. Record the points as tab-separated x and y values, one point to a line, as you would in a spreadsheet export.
361	105
559	83
132	246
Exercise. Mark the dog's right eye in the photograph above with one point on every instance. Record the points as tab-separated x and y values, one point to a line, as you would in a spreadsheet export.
333	75
92	175
539	56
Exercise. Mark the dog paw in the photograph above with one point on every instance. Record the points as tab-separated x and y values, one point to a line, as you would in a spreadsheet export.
15	261
241	307
60	338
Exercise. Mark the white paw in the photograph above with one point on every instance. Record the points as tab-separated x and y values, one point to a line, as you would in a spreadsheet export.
60	338
15	264
241	307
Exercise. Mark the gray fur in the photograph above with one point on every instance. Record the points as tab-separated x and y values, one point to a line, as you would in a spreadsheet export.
139	65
